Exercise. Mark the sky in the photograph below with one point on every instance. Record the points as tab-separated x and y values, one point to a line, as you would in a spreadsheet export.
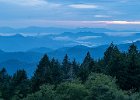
114	14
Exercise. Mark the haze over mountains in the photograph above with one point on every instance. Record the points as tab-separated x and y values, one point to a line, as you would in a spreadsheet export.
28	60
22	48
23	39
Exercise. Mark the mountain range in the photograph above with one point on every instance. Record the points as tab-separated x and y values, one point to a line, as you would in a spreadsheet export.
35	29
22	48
28	60
23	39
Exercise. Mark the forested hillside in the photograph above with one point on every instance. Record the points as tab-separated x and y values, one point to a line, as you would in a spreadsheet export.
116	76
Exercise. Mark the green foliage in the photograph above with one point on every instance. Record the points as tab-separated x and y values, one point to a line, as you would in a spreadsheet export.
42	73
124	66
113	60
71	91
114	77
103	87
75	69
46	92
101	79
65	91
66	68
47	72
20	85
130	73
5	87
56	73
135	96
86	67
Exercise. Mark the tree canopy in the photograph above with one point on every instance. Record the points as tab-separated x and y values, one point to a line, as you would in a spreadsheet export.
116	76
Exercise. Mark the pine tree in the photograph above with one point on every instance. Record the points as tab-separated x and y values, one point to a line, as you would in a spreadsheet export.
56	73
113	60
131	72
88	62
3	74
19	76
108	54
75	67
66	66
5	80
20	84
42	74
86	67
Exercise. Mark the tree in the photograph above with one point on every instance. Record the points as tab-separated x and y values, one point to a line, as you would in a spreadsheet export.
42	74
56	73
108	54
113	60
71	91
46	92
5	80
86	67
3	74
75	68
66	66
103	87
100	66
131	71
20	85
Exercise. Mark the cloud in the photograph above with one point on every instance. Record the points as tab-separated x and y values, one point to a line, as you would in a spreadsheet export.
97	10
62	38
122	22
88	44
127	41
120	34
83	6
131	41
102	16
88	37
7	34
70	24
89	1
25	2
98	22
31	3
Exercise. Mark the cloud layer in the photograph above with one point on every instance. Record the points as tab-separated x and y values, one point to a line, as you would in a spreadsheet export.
83	6
70	13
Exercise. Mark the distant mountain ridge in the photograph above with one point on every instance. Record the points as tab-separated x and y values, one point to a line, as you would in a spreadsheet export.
35	29
28	60
13	65
58	30
23	39
41	50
